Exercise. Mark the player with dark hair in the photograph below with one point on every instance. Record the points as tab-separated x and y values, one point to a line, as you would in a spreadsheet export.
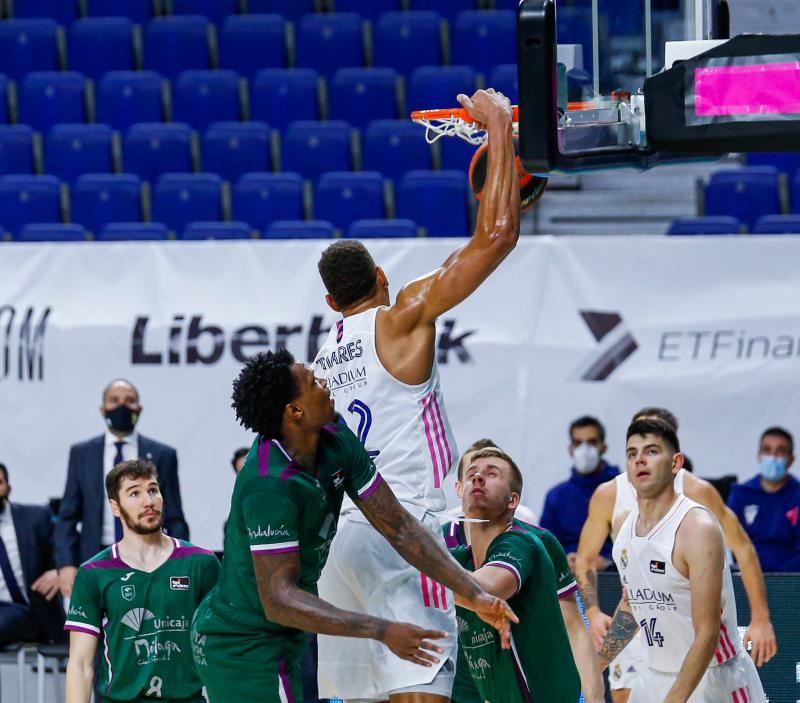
248	634
676	584
656	413
140	594
380	363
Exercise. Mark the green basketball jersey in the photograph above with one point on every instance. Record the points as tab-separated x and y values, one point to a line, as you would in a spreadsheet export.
464	690
277	507
539	668
145	618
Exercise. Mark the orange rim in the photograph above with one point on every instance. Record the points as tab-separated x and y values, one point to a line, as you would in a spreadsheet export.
454	112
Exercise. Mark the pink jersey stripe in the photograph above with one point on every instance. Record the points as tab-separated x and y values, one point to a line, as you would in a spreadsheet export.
444	596
437	481
735	697
507	567
263	457
435	589
718	655
743	694
442	465
426	597
82	628
444	434
724	647
284	681
727	638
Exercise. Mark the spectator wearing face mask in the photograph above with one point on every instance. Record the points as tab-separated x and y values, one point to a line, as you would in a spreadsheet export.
566	505
768	505
84	500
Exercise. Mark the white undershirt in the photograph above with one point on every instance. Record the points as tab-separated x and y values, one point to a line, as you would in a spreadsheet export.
9	535
130	450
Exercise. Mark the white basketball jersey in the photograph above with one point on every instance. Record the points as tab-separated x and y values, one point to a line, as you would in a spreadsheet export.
626	494
659	594
403	427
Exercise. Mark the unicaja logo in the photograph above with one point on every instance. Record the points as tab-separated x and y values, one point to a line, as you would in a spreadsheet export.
135	618
615	344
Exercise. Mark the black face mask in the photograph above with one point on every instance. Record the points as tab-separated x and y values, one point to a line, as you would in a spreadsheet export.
122	418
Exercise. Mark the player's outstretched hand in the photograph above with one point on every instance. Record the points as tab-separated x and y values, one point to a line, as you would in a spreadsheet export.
765	646
413	643
495	612
487	107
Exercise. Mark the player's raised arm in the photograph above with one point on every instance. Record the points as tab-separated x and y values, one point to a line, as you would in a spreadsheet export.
418	546
496	232
80	667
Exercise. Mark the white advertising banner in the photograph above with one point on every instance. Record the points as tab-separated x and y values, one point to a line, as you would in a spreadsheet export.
708	327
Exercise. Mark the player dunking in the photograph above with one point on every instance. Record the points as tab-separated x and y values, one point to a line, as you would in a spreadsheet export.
677	586
380	364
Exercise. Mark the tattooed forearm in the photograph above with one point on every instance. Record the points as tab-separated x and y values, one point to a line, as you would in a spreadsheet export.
622	630
587	587
416	543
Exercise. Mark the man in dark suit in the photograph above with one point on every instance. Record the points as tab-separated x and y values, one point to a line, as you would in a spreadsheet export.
84	500
30	609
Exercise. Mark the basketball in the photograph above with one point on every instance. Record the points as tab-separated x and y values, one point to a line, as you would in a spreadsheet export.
531	188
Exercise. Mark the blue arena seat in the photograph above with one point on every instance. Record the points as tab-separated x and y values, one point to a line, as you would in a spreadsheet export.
395	147
291	9
449	9
777	224
151	149
3	98
506	5
382	229
435	200
311	148
360	95
101	44
48	97
406	41
215	10
342	197
124	98
16	149
327	43
181	198
263	198
217	230
504	80
794	193
435	87
484	40
368	9
100	198
280	96
719	224
27	199
138	11
233	148
176	44
456	153
62	11
745	193
51	233
787	162
574	26
248	43
70	150
308	229
203	97
133	232
27	45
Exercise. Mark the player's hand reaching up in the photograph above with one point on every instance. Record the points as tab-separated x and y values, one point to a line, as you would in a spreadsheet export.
487	107
413	643
496	612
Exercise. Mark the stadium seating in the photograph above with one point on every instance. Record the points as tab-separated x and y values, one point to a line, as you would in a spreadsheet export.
3	98
344	197
48	97
215	10
100	44
435	200
150	150
16	149
124	98
133	231
138	11
745	193
787	162
311	148
27	45
327	43
181	198
280	96
234	148
368	9
777	224
382	229
291	9
51	233
434	87
450	8
406	41
360	95
70	150
98	199
217	230
457	154
176	44
248	43
718	224
263	198
310	229
395	147
504	79
203	97
62	11
27	199
484	40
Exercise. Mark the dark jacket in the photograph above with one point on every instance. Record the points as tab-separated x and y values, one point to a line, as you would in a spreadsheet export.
85	498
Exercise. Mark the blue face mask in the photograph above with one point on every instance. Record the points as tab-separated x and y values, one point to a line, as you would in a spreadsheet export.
773	468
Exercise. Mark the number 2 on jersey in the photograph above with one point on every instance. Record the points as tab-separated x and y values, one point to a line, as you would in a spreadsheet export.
653	636
361	409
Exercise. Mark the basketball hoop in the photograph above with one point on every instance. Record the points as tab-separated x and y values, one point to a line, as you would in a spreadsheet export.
455	122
